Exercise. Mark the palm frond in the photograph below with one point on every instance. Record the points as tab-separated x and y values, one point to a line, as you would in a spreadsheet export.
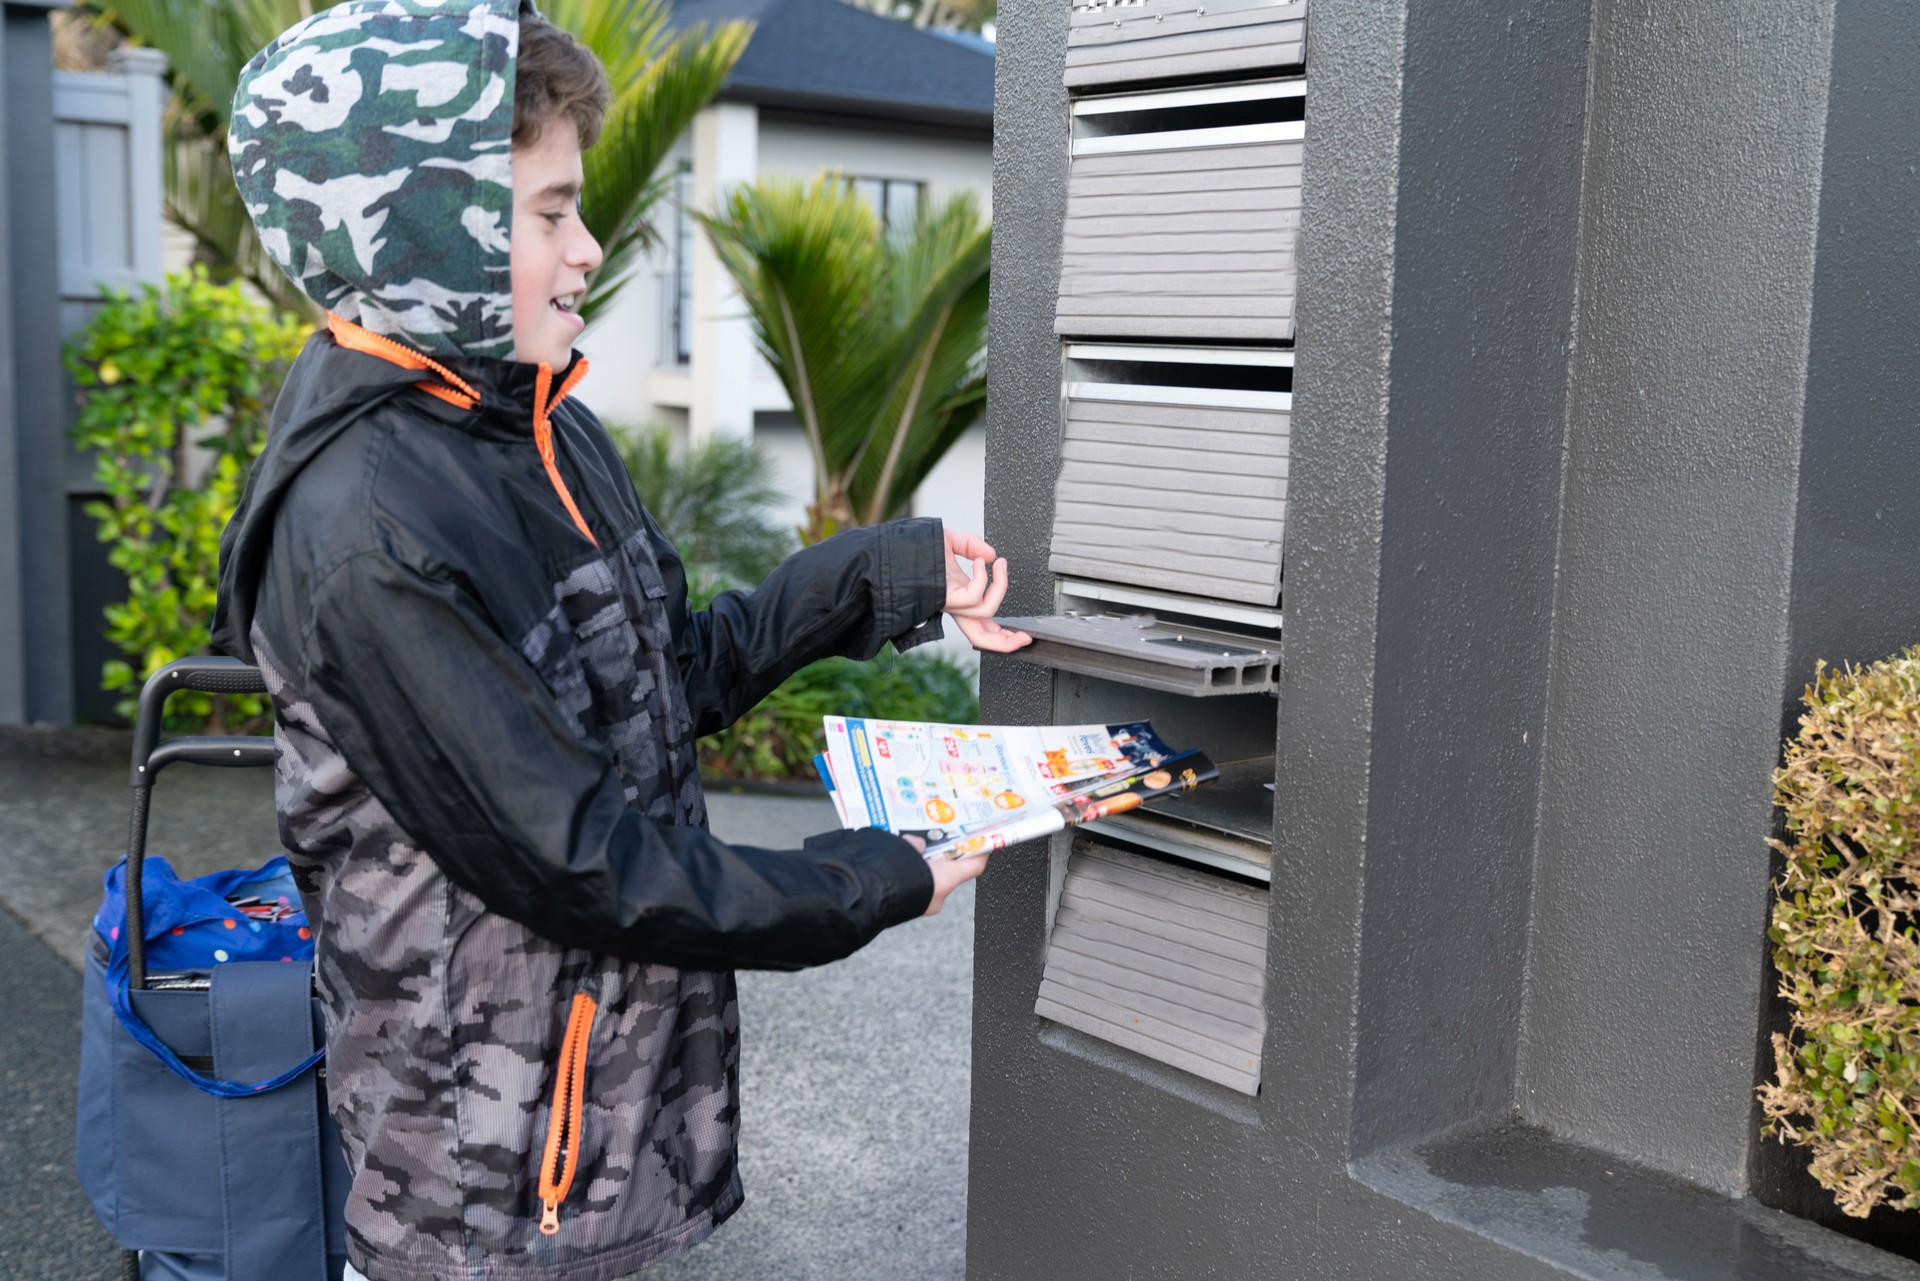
206	45
711	501
625	35
659	86
880	345
936	286
809	265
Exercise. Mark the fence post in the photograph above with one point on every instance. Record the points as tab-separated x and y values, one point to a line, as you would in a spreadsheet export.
35	616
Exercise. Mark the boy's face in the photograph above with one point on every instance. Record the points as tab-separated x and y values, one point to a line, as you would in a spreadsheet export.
551	249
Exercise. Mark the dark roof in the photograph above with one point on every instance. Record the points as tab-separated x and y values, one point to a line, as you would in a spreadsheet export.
826	55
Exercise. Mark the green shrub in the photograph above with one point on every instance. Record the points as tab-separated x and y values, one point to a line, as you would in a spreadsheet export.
711	501
188	363
1845	939
778	738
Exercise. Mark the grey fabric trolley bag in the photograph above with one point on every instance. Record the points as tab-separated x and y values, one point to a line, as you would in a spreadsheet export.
203	1140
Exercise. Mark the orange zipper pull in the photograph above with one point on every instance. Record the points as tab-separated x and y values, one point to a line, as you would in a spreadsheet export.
562	1154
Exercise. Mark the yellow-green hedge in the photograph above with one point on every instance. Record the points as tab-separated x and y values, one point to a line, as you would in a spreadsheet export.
1845	939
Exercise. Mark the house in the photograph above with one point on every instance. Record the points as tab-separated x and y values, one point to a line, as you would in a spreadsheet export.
905	114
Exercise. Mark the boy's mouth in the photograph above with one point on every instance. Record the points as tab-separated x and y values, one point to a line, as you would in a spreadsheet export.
565	305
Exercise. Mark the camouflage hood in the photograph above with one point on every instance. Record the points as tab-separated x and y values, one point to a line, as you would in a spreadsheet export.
372	146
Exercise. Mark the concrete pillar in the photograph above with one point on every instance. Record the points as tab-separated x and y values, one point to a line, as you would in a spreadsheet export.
726	153
35	616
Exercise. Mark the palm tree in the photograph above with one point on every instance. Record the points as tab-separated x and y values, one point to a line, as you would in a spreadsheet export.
660	80
880	341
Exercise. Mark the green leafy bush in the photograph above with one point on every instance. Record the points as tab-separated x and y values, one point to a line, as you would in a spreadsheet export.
778	738
1845	939
188	364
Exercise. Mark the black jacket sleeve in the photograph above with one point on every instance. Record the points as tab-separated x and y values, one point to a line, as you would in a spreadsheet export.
458	736
848	595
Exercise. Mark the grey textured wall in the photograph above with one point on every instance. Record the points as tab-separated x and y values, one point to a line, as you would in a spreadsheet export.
1483	289
1683	429
1603	429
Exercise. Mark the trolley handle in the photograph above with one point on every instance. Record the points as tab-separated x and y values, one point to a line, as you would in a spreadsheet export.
207	674
150	756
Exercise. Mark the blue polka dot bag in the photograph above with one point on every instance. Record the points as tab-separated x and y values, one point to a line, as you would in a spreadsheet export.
195	925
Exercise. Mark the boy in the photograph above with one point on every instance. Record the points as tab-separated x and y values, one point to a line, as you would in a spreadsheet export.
487	684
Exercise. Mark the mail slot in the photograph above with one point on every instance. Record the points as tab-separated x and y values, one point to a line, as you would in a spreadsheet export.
1173	471
1183	208
1112	42
1160	959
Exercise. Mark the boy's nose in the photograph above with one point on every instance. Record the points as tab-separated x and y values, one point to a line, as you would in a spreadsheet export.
586	254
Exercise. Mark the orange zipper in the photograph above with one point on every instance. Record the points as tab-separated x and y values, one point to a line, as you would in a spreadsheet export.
543	434
563	1124
455	390
459	393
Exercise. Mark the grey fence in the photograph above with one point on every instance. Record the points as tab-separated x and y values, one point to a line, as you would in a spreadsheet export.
96	223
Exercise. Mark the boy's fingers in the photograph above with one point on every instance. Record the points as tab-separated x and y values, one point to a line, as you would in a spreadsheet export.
993	587
969	546
965	595
996	589
986	634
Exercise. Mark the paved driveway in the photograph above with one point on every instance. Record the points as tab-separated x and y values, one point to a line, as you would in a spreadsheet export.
855	1077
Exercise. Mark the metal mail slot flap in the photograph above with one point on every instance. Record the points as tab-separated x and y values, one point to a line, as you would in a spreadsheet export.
1113	41
1183	233
1164	961
1178	488
1139	649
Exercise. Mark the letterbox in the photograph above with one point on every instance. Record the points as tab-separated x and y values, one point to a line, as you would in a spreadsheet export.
1183	207
1121	41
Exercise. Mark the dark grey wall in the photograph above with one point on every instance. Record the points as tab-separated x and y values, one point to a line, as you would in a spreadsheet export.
1600	306
1683	435
1482	293
35	621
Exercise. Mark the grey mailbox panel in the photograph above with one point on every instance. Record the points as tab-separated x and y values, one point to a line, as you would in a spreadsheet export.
1138	40
1140	649
1184	234
1161	960
1178	488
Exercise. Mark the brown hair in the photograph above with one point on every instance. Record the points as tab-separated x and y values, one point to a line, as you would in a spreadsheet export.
556	78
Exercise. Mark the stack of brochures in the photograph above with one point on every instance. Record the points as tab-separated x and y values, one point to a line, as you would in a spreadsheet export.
969	789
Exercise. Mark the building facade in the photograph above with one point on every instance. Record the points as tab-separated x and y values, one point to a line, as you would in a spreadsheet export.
903	115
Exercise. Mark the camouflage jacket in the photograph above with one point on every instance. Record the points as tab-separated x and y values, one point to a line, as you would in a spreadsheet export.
486	710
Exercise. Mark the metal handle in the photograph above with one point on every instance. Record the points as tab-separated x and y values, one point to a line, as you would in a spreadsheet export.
207	674
150	756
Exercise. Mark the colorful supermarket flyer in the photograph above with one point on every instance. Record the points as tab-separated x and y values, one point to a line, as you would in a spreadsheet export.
969	789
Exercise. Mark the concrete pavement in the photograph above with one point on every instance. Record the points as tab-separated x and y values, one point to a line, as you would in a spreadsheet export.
855	1077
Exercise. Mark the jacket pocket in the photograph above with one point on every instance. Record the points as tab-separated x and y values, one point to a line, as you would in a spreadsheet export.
562	1155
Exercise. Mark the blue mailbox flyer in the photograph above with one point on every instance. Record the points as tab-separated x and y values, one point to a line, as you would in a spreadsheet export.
970	789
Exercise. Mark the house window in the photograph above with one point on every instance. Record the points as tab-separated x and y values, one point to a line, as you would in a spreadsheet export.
676	287
894	201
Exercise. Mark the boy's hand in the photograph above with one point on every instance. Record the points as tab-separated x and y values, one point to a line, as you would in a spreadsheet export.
949	874
972	602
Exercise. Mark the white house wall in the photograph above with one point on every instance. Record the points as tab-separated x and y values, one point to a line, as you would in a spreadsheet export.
628	384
